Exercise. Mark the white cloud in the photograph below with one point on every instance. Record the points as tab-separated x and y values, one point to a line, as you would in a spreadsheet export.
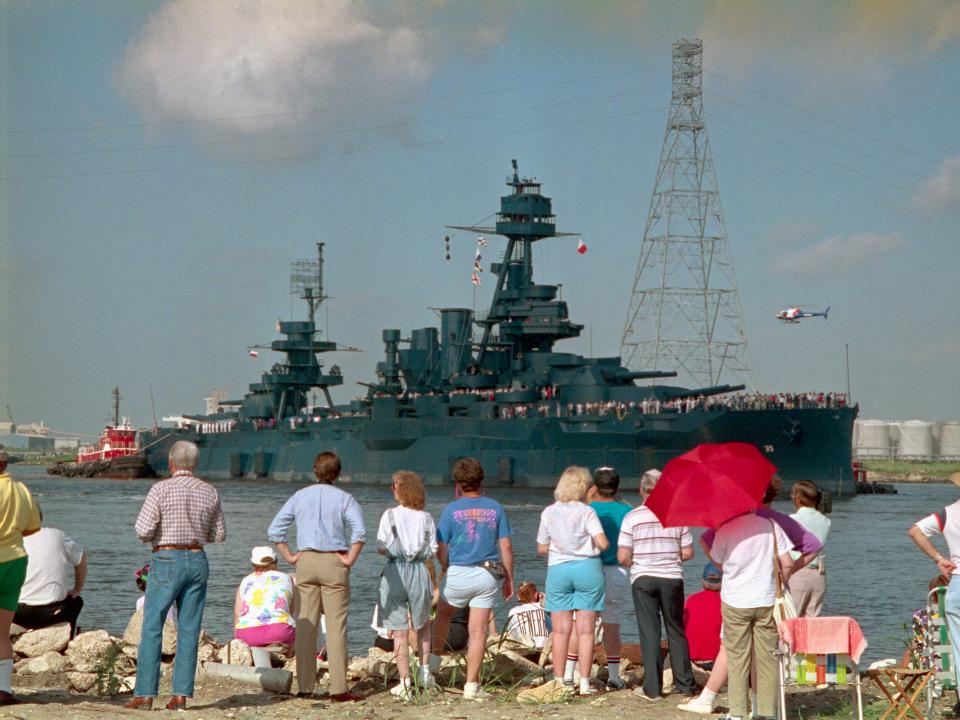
942	190
261	66
849	43
836	255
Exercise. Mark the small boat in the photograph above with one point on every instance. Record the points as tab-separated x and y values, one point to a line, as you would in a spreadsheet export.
116	454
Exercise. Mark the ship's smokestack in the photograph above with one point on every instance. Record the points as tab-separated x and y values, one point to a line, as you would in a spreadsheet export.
455	340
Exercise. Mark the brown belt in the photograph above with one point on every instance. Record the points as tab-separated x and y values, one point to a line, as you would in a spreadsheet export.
191	548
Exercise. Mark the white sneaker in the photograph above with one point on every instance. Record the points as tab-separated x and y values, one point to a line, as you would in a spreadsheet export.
698	706
638	691
478	694
401	690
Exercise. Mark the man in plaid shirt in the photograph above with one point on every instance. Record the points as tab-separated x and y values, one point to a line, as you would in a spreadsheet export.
179	516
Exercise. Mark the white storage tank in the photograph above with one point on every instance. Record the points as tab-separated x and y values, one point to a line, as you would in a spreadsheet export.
950	440
873	439
915	440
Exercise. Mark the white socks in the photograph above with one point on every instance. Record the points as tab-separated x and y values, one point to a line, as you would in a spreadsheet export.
569	668
425	674
584	685
709	696
753	703
6	675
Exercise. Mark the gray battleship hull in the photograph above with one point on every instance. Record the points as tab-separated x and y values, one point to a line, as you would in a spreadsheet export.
804	444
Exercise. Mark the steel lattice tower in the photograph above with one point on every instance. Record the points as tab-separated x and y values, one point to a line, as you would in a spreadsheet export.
684	311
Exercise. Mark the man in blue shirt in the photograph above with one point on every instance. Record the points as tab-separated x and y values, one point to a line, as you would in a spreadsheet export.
330	534
475	551
611	510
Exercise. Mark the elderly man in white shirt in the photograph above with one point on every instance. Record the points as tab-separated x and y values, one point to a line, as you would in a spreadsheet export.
47	596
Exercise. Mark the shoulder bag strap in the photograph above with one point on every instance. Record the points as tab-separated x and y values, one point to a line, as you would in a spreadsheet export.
393	524
777	577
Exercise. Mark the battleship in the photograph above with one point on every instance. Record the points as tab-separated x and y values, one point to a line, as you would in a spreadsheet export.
494	386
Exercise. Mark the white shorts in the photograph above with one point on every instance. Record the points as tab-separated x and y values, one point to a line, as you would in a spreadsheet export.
469	585
616	582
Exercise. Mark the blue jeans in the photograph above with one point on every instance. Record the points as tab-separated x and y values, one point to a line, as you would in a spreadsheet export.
951	607
176	576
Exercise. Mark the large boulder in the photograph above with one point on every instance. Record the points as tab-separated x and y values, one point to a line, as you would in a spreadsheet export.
378	664
82	682
236	652
35	643
131	636
511	668
85	650
50	661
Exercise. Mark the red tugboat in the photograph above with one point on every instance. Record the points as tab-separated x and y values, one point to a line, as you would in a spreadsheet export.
116	455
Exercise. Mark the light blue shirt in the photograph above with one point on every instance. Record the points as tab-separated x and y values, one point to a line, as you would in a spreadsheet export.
328	519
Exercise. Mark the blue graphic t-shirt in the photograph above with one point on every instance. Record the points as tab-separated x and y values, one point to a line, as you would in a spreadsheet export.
471	528
611	516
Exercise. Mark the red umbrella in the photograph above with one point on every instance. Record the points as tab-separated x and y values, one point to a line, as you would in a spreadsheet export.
711	484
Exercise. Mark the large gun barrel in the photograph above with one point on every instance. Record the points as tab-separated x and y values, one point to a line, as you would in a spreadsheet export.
626	375
707	391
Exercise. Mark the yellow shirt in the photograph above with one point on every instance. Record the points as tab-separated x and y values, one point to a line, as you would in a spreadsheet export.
18	514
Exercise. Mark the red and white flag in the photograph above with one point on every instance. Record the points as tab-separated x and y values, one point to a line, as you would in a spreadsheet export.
482	241
475	279
581	247
254	353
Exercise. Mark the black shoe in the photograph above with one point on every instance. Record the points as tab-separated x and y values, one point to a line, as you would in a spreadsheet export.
8	698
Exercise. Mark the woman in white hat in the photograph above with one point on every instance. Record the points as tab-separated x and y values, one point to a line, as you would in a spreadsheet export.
262	611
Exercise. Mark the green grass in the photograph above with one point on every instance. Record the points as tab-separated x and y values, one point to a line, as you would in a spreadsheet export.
904	467
844	710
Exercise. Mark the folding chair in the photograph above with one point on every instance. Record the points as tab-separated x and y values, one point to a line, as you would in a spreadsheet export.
805	668
937	652
902	687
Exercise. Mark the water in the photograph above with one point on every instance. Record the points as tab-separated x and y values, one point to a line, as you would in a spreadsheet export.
875	573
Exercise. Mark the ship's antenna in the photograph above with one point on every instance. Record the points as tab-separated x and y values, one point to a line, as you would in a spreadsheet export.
306	280
154	406
684	311
116	407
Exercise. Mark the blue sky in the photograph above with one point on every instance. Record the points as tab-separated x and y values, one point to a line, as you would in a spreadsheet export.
163	162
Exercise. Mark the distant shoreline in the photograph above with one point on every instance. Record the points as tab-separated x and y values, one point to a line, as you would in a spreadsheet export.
912	478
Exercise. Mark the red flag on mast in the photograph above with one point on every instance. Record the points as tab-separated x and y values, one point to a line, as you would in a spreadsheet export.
581	246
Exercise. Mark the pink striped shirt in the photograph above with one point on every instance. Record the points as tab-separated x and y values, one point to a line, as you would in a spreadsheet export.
656	549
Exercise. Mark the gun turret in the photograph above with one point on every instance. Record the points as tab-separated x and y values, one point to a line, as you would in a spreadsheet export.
624	375
707	391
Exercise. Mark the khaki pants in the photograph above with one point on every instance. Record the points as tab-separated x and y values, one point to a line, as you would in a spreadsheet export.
807	587
323	588
750	632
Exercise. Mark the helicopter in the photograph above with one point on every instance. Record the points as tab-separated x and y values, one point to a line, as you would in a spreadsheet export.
795	314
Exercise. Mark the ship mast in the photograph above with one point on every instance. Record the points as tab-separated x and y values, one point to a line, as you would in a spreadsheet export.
306	280
525	217
116	406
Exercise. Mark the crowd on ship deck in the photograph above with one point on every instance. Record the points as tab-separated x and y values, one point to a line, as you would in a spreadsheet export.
549	406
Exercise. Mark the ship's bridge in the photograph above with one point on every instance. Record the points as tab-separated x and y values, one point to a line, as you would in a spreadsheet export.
526	212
